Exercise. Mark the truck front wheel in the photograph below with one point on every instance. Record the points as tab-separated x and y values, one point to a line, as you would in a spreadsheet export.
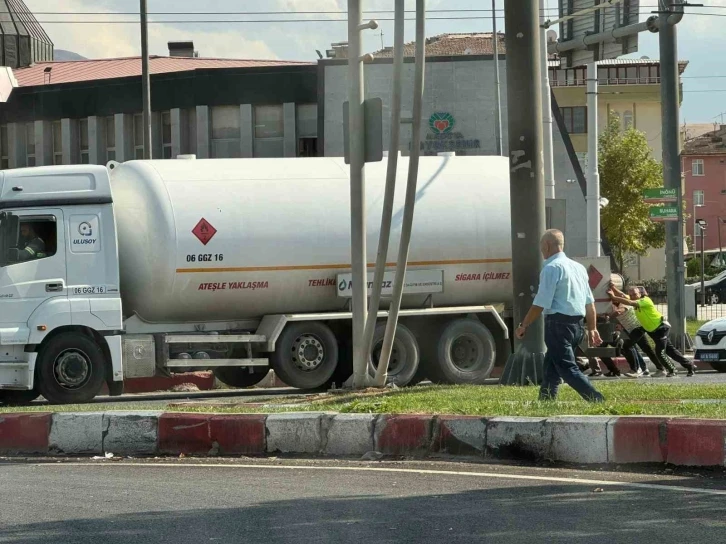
306	355
70	369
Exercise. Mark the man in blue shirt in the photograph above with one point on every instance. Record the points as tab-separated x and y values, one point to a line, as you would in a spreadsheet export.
566	300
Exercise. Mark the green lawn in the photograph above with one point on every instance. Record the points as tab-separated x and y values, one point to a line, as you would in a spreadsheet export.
624	397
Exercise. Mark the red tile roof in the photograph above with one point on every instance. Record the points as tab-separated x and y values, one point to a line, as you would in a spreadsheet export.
711	143
90	70
472	43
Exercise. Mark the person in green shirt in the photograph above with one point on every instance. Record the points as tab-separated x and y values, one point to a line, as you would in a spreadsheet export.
654	325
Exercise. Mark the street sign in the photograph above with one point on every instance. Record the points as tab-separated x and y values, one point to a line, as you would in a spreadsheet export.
660	194
623	13
663	213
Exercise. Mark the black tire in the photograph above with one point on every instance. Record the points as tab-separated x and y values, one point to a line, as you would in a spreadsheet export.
238	376
70	369
719	367
466	352
306	355
405	355
18	398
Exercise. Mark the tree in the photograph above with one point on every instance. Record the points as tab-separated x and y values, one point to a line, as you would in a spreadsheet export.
626	168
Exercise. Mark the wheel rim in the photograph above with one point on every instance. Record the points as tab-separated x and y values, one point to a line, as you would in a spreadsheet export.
396	362
308	352
467	352
72	369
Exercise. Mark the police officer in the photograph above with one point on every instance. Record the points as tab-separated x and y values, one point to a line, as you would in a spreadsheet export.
31	245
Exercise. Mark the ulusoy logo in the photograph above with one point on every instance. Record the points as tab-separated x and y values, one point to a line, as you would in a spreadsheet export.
441	122
85	229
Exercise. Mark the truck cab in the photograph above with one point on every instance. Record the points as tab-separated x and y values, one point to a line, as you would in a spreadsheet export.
60	305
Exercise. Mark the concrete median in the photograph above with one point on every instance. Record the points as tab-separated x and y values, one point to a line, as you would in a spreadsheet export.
585	440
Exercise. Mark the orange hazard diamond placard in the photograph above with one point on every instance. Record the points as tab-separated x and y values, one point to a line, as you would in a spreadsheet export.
204	231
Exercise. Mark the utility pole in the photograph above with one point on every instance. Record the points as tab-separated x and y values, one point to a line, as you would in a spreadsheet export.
703	268
145	80
497	85
593	175
675	271
547	140
527	189
357	193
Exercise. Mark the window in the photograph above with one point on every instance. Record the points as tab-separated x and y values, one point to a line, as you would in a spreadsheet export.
4	148
110	138
166	135
306	124
226	132
575	119
697	168
38	238
138	136
698	198
269	131
30	144
83	138
628	119
57	142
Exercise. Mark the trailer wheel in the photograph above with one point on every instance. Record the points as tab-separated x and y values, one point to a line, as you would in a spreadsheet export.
306	355
70	369
404	361
466	353
18	398
241	377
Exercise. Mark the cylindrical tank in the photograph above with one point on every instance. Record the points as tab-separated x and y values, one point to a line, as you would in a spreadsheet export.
213	240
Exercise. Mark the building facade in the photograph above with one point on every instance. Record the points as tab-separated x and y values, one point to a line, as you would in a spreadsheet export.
90	111
459	109
703	163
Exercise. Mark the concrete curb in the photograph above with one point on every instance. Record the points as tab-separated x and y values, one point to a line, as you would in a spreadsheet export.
582	440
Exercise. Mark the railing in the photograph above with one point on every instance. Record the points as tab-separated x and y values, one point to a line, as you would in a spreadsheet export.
606	81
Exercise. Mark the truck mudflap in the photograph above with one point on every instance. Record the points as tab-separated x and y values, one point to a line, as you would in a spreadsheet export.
115	348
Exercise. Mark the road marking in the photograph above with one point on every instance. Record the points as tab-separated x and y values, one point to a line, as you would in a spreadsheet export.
498	476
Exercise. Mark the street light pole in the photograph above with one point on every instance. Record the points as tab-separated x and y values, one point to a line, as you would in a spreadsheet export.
703	269
145	80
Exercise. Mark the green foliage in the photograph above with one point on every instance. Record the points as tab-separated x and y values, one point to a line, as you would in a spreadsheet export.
626	168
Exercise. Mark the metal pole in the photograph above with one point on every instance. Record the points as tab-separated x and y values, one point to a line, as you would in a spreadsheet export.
145	81
675	271
593	175
392	167
526	165
720	248
497	85
547	142
410	202
357	193
703	270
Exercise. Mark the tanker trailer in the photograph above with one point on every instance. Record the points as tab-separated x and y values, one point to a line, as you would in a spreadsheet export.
156	267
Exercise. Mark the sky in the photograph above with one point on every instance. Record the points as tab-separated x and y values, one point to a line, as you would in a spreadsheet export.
700	37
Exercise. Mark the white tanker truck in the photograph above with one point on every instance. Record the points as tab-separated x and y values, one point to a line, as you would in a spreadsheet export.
156	267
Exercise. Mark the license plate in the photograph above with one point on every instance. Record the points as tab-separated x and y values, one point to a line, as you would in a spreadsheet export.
708	355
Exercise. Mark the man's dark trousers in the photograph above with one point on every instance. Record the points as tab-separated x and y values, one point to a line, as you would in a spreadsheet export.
563	334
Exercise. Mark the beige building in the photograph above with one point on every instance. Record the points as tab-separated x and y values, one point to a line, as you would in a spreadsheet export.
630	88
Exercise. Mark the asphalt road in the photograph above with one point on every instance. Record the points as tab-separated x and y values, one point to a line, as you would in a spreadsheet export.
325	501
